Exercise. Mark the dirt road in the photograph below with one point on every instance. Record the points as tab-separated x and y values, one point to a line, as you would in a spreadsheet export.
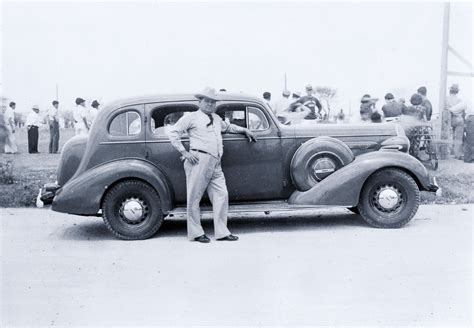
328	269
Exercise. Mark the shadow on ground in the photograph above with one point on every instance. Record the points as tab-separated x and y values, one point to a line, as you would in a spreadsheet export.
176	227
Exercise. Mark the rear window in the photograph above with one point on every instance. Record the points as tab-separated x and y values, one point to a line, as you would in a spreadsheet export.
126	124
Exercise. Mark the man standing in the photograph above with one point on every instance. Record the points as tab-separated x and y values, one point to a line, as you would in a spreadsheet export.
33	122
391	108
283	103
457	107
426	103
93	112
80	117
53	118
310	102
202	164
9	118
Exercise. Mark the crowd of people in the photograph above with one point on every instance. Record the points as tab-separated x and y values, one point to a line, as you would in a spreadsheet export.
291	106
82	118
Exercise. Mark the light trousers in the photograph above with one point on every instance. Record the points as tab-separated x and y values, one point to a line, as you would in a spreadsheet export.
10	142
206	175
457	123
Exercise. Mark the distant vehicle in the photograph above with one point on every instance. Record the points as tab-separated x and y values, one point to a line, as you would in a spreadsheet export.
127	170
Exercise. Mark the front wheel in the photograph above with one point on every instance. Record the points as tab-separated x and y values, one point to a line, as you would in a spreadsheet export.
389	199
132	210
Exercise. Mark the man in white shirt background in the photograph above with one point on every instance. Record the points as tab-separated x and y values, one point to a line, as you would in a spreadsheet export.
53	118
93	110
33	121
9	118
79	114
283	103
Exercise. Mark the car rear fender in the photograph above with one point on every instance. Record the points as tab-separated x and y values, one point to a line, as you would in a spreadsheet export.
343	187
83	194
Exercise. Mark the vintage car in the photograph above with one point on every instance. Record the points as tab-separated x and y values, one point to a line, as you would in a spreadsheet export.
127	171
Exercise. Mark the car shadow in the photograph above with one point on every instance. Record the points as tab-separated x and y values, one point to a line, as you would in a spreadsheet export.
238	224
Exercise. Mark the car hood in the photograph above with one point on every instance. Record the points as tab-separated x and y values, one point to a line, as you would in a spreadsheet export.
378	130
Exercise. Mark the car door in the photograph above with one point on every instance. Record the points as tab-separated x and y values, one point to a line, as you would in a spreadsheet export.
253	170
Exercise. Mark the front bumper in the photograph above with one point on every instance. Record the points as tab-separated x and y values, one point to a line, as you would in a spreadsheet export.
48	192
433	184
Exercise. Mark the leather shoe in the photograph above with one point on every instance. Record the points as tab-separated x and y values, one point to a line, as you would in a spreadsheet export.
229	238
202	239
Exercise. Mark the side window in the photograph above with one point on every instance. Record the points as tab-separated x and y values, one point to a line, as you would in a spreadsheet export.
257	119
234	114
164	117
126	124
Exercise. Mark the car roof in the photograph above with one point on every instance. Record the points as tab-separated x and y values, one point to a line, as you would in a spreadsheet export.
172	97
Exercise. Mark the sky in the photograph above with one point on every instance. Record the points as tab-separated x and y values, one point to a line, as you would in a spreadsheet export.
111	50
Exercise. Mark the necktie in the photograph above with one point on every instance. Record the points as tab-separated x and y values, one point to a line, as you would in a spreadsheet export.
211	118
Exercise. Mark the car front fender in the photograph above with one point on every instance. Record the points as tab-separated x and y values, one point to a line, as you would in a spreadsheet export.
83	194
343	187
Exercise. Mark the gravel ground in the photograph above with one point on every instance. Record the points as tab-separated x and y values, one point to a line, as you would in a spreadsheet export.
327	268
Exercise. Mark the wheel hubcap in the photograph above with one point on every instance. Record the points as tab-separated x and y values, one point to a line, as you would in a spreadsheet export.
322	167
133	210
387	198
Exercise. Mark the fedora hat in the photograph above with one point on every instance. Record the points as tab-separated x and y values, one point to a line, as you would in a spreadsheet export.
209	93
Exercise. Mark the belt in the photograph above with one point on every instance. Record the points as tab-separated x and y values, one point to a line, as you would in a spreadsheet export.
201	151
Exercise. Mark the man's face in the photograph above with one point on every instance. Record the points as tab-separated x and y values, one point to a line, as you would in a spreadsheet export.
56	106
309	92
208	106
13	107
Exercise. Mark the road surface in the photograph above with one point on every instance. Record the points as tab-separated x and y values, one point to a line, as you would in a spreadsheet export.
328	268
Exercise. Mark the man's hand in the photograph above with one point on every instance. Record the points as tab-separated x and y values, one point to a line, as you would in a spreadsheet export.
193	159
250	135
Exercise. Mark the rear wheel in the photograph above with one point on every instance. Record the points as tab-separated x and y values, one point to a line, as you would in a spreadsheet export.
132	210
389	199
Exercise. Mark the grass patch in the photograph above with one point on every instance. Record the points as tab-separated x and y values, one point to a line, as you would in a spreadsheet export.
31	171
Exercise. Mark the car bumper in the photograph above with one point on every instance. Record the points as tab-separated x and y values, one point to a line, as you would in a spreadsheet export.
433	184
48	192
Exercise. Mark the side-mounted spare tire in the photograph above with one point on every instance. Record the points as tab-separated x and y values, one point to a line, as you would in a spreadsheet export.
316	159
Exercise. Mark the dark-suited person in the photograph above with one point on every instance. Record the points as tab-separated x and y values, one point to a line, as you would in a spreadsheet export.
425	103
33	121
53	118
391	107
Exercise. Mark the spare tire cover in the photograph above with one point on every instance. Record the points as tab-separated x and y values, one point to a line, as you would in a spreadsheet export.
316	159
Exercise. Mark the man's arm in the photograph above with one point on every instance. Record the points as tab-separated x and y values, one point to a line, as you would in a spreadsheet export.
232	128
175	133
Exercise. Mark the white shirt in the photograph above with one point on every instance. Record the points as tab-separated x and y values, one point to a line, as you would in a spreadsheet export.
9	115
53	114
79	113
92	113
33	119
281	104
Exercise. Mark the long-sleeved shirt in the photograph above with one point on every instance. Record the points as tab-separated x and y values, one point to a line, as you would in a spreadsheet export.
201	137
455	105
33	119
281	105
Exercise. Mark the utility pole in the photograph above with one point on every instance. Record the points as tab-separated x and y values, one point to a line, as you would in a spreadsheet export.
445	116
57	92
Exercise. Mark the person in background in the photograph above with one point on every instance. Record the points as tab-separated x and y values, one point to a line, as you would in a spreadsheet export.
457	108
402	101
340	116
33	121
367	107
53	118
3	129
310	102
79	114
425	103
376	117
9	118
267	98
391	107
416	109
93	112
283	103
